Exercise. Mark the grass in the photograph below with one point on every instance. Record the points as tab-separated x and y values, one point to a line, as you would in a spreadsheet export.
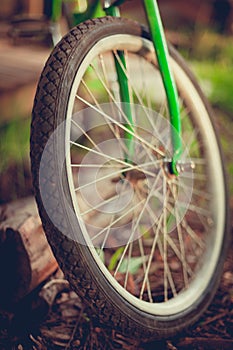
216	81
211	58
225	128
14	143
15	178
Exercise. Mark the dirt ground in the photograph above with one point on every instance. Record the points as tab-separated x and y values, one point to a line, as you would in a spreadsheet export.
66	323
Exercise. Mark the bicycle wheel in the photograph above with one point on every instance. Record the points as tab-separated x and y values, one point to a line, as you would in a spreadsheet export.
144	248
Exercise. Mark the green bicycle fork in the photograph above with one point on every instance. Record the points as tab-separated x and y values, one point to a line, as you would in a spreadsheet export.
161	49
160	45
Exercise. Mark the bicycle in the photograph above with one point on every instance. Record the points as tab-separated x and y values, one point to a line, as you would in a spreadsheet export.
128	175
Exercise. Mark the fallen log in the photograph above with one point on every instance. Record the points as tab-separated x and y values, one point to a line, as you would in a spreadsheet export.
26	259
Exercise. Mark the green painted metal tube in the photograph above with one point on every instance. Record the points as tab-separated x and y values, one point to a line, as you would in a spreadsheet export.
56	10
125	98
124	90
94	10
112	11
160	45
115	3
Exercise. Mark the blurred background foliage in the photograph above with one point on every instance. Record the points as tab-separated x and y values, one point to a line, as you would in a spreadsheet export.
208	47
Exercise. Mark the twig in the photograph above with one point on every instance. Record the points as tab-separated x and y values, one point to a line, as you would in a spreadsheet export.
74	330
215	318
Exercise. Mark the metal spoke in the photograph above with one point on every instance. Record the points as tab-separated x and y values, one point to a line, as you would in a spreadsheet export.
86	135
144	142
184	223
111	127
101	204
180	236
140	243
137	94
138	220
199	193
111	223
104	155
169	239
117	220
128	261
169	274
113	98
156	235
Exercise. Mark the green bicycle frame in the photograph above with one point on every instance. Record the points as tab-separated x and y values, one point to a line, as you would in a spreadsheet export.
161	49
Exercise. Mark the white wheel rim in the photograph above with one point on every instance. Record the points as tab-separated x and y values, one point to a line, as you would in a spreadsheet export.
187	298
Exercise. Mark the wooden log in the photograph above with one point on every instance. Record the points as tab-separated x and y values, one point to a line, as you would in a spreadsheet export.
26	259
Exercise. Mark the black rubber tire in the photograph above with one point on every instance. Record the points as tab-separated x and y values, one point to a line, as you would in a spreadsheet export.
75	259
